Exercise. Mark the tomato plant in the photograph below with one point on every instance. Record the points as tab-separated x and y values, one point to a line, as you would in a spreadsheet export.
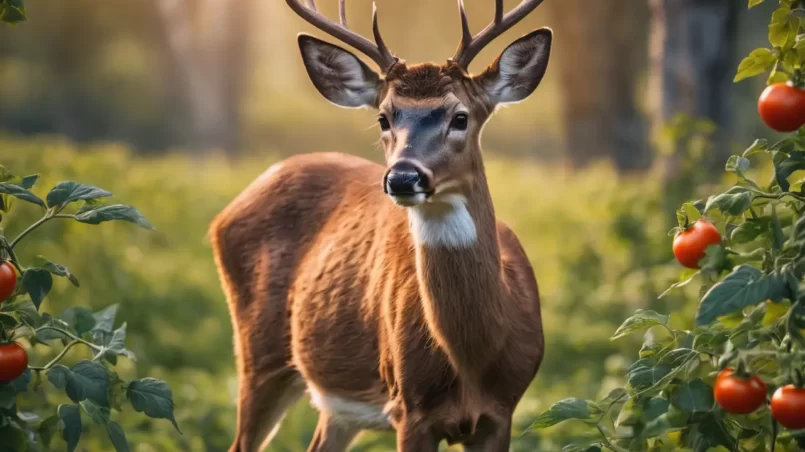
682	393
691	242
93	387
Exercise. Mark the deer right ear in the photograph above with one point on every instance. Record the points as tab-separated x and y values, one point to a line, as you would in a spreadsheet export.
341	77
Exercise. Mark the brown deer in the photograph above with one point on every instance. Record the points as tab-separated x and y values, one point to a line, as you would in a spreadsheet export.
391	295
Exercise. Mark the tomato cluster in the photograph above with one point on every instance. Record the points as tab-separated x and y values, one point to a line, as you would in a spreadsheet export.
742	395
13	358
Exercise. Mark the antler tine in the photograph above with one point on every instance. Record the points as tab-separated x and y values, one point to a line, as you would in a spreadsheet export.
377	51
342	12
469	47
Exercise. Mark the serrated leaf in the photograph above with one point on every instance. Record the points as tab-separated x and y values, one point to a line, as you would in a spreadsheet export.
785	165
85	380
640	320
98	413
745	286
694	396
646	372
70	416
780	26
37	282
9	390
114	212
152	397
118	437
759	145
22	332
56	269
734	202
679	284
28	182
748	231
737	164
48	428
563	410
105	318
21	193
757	62
69	191
80	319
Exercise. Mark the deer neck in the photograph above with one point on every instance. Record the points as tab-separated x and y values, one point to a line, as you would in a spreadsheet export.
459	273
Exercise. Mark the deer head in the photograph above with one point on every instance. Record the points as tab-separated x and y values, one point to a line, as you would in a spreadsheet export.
430	116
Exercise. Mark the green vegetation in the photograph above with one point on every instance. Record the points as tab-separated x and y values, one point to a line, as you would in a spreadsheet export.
592	238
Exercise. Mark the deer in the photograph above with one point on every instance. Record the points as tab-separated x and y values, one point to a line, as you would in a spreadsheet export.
389	294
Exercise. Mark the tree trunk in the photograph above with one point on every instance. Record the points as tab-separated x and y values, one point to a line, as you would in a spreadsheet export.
600	46
208	43
692	62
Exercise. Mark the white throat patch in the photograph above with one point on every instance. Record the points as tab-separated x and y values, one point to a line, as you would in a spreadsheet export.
444	223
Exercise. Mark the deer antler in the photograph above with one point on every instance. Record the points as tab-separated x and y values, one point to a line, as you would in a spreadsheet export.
377	51
471	45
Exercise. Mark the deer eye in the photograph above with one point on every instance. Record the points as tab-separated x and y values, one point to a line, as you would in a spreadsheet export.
384	123
459	122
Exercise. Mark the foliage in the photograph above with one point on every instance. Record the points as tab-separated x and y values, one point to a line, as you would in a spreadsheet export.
751	310
92	385
12	11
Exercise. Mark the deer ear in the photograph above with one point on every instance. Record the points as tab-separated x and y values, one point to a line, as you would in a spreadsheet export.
517	71
341	77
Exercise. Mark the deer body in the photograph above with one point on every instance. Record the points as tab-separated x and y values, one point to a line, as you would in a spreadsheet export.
392	295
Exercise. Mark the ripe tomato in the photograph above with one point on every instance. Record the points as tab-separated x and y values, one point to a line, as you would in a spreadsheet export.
8	280
738	395
788	407
690	244
782	107
13	361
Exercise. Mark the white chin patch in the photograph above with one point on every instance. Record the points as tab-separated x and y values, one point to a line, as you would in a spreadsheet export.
409	200
446	224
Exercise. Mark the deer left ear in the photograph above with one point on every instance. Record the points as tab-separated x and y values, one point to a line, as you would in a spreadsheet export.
515	74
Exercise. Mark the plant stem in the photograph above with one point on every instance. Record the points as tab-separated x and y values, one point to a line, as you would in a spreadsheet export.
30	228
61	354
71	336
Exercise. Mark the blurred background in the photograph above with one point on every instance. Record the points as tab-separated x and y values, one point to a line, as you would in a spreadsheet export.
176	105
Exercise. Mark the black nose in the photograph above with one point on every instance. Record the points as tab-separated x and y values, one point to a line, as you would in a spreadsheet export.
404	178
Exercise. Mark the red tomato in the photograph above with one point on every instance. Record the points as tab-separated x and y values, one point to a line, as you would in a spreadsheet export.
13	361
788	407
8	280
738	395
690	244
782	107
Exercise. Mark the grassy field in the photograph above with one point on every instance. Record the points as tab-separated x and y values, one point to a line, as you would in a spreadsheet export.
597	242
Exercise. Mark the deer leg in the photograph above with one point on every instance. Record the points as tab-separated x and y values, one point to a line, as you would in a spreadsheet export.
262	402
331	436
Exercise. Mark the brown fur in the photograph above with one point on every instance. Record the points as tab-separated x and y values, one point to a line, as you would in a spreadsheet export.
328	290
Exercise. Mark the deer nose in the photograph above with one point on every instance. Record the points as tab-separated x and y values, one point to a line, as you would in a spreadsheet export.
405	178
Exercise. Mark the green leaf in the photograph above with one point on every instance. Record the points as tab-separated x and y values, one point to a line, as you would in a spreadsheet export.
69	191
640	320
37	282
105	319
745	286
9	390
118	437
13	11
785	165
733	203
753	3
99	414
748	231
85	380
780	26
646	372
669	421
693	396
759	145
567	409
114	212
709	432
48	428
28	182
679	284
21	193
70	416
80	319
757	62
117	345
56	269
737	164
152	397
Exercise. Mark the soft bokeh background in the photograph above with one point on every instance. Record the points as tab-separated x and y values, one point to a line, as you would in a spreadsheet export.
176	105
